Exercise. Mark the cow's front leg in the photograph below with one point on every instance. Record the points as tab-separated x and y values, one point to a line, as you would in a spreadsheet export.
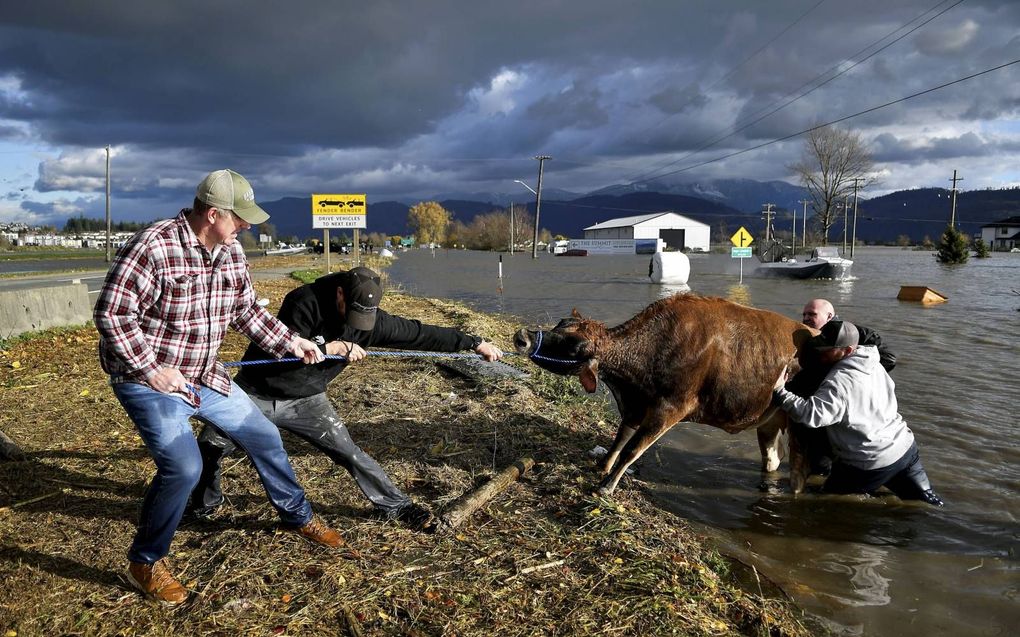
655	423
623	436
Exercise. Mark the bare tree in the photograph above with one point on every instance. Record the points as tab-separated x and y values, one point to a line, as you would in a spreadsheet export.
831	160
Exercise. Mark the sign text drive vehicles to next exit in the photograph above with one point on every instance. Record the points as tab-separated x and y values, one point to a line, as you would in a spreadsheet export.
339	211
741	238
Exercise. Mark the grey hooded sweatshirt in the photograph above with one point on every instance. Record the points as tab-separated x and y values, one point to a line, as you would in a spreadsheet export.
857	402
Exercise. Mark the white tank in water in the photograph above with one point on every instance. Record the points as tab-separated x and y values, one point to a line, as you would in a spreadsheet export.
385	253
671	268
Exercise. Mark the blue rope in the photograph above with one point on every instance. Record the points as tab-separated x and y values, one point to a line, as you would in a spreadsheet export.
415	354
339	357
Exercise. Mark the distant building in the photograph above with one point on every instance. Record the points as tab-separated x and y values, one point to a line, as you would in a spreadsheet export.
1002	235
678	232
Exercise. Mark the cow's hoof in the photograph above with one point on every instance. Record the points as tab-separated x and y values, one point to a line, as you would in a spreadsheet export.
605	490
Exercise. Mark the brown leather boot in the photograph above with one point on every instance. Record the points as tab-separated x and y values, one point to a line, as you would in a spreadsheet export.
319	532
157	583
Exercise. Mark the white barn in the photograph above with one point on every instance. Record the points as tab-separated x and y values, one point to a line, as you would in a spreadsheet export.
677	231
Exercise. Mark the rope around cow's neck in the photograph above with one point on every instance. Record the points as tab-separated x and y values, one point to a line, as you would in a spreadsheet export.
535	356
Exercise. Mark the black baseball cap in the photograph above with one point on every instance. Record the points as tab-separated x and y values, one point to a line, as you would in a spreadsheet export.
362	293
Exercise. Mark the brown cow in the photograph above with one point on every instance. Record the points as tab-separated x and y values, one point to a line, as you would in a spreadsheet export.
686	357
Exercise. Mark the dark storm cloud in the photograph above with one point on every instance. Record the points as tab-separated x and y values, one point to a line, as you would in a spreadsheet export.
401	98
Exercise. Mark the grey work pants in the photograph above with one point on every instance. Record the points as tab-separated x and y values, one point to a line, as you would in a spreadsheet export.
313	419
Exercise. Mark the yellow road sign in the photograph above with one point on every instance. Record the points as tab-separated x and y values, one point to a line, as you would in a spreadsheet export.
742	238
339	211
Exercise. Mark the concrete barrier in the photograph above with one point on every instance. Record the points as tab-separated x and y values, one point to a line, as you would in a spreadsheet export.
33	309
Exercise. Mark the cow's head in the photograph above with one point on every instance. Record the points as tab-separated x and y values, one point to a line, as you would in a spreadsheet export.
568	349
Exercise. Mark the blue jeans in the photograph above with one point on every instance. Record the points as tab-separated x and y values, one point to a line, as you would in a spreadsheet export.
162	423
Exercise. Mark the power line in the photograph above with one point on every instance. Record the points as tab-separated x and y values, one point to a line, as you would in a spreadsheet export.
730	74
835	121
744	124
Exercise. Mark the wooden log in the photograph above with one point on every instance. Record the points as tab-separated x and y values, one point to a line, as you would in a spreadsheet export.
9	450
462	508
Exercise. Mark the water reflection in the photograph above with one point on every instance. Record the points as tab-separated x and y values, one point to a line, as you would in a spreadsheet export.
739	293
667	289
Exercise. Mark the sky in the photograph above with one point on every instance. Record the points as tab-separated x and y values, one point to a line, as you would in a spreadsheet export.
408	100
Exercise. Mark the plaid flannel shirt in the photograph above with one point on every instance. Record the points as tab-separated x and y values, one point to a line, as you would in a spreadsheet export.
167	302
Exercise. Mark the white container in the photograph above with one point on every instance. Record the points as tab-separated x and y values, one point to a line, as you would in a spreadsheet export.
671	268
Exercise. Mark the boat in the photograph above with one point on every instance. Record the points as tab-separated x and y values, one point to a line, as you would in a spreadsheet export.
572	252
824	263
285	251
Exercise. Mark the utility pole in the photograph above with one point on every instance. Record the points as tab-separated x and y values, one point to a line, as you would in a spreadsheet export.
853	239
846	218
804	224
767	216
952	216
511	228
793	243
109	248
538	202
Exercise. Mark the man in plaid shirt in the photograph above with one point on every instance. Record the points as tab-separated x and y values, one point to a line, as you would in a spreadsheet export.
162	314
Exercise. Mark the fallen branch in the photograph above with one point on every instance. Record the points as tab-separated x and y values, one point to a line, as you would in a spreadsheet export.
532	569
30	501
462	508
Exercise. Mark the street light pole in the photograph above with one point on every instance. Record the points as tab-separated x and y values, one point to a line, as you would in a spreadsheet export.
109	248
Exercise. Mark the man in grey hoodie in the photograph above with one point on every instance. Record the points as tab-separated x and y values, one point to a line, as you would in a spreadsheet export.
856	403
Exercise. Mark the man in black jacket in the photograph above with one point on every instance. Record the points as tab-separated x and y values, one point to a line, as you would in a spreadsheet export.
340	312
815	442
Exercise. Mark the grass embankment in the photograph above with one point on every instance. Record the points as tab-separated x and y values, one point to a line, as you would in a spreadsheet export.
544	557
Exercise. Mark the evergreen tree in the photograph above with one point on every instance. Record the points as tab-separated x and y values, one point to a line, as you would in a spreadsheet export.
981	249
952	247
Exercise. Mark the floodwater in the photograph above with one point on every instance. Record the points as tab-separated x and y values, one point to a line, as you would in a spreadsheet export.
860	566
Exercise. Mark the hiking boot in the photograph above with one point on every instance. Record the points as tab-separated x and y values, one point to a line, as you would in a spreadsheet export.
932	498
414	516
319	532
157	583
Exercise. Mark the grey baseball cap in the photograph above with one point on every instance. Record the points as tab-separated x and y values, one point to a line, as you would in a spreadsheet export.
837	334
228	190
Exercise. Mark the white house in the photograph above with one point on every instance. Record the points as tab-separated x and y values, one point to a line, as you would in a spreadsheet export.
675	230
1002	235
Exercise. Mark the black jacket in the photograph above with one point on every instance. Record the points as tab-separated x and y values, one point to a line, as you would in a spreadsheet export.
311	312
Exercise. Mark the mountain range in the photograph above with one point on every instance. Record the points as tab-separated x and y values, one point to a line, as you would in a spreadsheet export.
725	205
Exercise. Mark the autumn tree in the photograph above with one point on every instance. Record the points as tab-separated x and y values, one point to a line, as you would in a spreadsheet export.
831	160
429	221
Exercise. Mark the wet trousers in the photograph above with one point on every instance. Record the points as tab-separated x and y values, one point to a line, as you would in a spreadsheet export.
313	419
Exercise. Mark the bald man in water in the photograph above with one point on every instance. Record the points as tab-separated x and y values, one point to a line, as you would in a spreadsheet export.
815	442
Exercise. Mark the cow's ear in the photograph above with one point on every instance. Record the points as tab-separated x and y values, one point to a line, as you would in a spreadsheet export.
576	314
589	375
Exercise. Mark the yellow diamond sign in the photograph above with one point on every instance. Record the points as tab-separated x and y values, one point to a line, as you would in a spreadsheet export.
742	238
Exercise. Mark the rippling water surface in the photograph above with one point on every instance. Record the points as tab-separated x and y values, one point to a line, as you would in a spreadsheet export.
862	566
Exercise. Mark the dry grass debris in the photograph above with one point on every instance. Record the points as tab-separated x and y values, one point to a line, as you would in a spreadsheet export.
545	557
